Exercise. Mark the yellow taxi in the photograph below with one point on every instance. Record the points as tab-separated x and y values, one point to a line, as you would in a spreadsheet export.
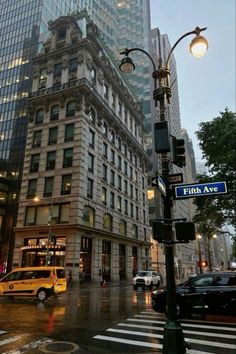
40	282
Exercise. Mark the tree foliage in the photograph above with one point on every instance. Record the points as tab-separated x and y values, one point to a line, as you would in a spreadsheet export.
217	140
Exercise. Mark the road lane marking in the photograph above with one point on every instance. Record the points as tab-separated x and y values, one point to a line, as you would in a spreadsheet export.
228	336
128	341
184	324
12	339
190	340
3	332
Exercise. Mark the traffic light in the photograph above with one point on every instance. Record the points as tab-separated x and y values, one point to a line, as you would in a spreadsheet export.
178	149
161	133
185	231
158	231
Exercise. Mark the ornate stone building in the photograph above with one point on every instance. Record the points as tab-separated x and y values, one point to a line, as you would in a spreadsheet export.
83	196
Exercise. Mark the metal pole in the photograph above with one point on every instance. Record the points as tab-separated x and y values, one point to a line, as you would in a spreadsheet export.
209	252
48	257
199	256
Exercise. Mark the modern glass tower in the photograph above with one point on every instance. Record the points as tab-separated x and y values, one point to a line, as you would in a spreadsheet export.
23	26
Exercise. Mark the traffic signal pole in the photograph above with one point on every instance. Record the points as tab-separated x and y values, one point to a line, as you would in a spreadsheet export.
173	339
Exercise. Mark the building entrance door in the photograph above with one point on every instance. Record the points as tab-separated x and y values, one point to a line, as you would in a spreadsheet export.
85	259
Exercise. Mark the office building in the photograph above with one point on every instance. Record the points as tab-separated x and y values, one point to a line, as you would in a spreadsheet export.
84	161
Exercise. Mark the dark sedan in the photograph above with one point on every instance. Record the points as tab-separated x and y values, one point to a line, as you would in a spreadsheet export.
213	292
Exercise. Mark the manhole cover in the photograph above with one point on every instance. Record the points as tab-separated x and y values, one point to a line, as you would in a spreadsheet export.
59	347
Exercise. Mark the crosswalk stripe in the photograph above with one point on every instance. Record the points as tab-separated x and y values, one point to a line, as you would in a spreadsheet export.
12	339
191	340
3	332
129	341
207	334
183	324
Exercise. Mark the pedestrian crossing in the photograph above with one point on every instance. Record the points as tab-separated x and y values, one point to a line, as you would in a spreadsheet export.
144	332
19	343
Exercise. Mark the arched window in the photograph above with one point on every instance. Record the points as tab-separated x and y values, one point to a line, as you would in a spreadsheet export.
39	116
70	109
88	216
135	231
123	227
107	222
54	114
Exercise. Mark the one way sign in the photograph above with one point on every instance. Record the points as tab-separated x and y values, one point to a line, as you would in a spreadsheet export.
159	184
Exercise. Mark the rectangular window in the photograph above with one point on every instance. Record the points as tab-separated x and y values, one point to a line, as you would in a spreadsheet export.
105	150
90	188
32	187
69	132
66	184
104	195
137	216
52	136
126	207
119	182
72	65
119	162
125	167
48	186
42	78
51	160
93	75
90	163
136	193
112	178
68	157
131	172
119	203
105	90
126	186
104	172
112	200
112	156
131	191
34	164
131	210
30	216
58	69
91	138
37	138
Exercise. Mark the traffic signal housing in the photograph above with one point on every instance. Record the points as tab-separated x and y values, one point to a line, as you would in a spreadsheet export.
185	231
178	149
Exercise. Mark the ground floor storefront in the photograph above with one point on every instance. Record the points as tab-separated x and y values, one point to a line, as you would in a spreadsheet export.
87	256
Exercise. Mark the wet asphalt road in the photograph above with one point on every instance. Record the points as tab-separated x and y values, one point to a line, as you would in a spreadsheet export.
78	316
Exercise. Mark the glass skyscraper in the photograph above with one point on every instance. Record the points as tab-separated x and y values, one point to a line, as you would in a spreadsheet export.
23	26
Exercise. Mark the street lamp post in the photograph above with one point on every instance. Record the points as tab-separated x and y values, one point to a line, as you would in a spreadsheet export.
209	250
173	342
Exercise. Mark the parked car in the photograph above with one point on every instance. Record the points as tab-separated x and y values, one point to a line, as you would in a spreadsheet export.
40	282
213	292
146	278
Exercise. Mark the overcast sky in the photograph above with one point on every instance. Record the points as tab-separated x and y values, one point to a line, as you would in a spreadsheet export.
206	85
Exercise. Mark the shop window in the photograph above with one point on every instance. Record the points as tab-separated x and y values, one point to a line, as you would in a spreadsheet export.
54	114
66	184
70	109
88	216
69	132
107	222
39	116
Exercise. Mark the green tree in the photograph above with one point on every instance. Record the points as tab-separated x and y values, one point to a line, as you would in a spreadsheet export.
217	140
